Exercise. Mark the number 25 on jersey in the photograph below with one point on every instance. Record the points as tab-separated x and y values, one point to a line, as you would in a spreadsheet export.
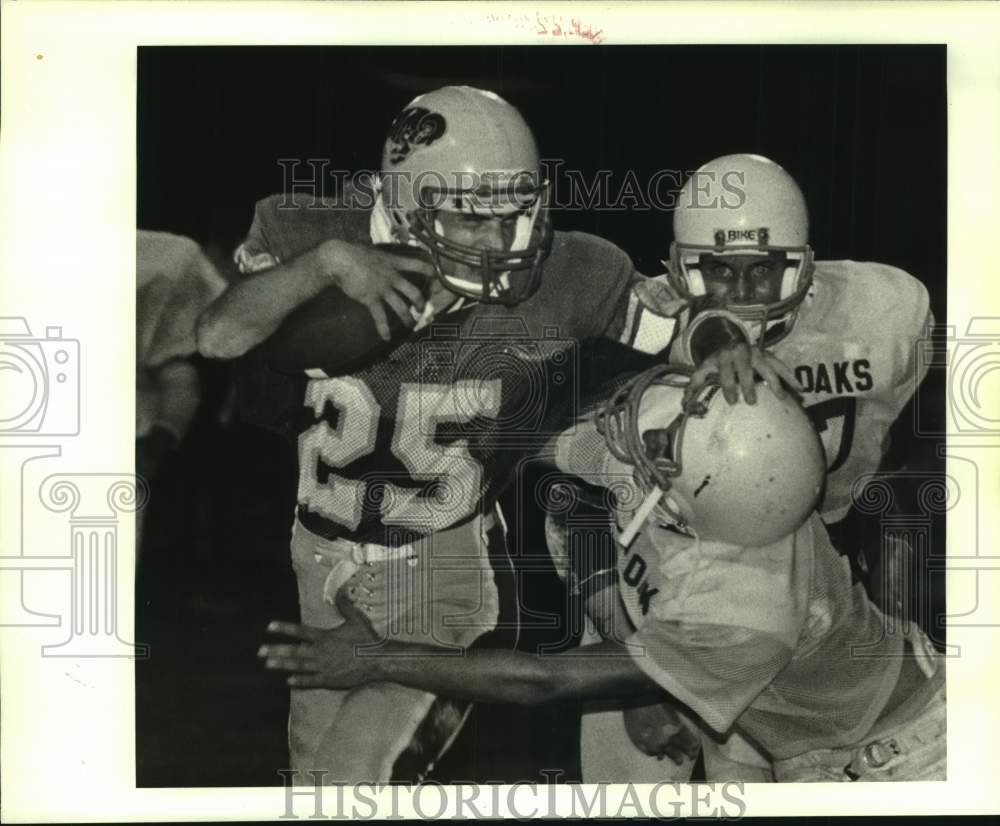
449	470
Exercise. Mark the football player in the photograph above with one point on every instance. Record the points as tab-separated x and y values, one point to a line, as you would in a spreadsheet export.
401	454
741	608
175	281
847	329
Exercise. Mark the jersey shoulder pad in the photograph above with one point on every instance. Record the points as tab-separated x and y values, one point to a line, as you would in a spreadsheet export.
287	225
584	279
871	296
588	257
658	294
594	271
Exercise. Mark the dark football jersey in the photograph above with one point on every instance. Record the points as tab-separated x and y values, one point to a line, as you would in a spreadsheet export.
428	435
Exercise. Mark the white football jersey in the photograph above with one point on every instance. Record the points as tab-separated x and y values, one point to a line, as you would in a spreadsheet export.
775	640
853	350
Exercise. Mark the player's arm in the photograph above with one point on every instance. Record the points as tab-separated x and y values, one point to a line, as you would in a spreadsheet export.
334	658
646	314
604	608
716	343
859	534
287	260
334	333
253	308
176	392
652	722
910	328
653	318
179	394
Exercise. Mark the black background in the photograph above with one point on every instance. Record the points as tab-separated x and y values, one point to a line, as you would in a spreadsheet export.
862	129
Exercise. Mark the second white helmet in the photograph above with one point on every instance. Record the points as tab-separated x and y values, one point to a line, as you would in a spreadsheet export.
743	474
744	207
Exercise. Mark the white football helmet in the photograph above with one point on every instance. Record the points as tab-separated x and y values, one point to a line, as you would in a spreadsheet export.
466	150
743	474
744	205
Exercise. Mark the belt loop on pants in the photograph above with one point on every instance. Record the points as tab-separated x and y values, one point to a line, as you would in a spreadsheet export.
368	553
873	755
363	553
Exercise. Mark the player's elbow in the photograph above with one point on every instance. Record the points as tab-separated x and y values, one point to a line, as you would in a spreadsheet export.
216	337
534	684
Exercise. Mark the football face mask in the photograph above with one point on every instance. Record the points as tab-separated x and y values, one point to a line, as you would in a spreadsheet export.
747	254
763	288
742	474
487	244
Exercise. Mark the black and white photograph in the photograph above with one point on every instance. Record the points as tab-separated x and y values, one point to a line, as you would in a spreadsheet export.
558	408
436	409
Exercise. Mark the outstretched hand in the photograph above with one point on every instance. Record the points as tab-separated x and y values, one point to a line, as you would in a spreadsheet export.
660	731
324	657
737	366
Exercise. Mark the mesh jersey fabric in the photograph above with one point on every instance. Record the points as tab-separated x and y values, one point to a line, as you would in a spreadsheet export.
774	640
428	435
853	349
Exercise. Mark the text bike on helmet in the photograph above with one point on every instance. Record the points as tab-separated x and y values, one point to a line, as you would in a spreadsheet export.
742	220
464	150
742	474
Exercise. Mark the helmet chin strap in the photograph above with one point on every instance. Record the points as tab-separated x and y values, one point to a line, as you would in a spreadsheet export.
381	227
626	537
652	504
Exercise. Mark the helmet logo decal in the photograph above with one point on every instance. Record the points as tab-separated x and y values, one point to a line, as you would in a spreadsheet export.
729	236
412	127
